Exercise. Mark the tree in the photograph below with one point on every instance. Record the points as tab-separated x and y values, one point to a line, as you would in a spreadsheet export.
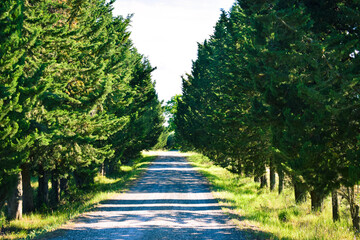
279	79
70	82
22	83
215	105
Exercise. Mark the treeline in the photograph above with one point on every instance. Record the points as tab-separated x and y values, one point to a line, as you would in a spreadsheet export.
277	87
76	99
169	139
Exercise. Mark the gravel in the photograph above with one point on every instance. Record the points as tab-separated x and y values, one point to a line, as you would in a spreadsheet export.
170	201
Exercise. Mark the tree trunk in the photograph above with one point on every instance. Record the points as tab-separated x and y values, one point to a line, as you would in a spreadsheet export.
106	167
263	181
55	193
272	175
43	189
335	206
317	200
15	200
28	193
110	168
238	166
356	218
300	192
102	169
281	181
354	208
80	179
64	187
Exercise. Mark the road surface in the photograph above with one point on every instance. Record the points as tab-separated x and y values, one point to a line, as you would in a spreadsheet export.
170	201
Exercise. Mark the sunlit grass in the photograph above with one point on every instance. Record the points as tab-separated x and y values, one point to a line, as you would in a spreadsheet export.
267	215
32	225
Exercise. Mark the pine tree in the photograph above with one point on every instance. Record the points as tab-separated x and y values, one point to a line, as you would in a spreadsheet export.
334	96
280	79
216	95
11	56
70	81
21	84
75	118
138	134
298	75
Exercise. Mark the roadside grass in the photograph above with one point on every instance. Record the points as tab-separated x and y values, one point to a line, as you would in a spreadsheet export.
267	215
34	224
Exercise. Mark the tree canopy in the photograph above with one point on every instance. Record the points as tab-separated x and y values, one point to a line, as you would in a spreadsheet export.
75	97
276	86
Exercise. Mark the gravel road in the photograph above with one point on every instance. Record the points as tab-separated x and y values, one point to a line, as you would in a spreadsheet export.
170	201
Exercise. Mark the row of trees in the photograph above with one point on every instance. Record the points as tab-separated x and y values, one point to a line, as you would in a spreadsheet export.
75	98
277	86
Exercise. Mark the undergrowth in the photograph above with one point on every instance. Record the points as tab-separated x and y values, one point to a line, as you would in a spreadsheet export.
267	215
34	224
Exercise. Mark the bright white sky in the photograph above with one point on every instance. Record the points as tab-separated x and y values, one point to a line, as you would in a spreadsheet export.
167	32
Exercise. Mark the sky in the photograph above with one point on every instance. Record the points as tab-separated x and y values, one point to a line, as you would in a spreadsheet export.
167	33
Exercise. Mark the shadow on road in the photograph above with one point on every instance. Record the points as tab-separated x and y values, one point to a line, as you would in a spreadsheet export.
171	201
155	233
161	201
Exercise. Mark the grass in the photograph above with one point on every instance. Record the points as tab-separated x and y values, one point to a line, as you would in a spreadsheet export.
35	224
267	215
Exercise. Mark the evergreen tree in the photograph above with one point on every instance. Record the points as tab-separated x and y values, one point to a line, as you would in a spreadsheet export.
218	91
22	82
11	56
144	113
70	81
279	79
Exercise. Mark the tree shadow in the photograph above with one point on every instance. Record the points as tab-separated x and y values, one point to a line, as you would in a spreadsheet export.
151	233
170	201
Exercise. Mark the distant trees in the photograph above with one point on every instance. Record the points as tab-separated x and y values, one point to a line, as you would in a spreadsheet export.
75	97
169	138
276	86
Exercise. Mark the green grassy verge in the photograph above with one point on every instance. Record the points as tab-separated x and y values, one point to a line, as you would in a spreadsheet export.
35	224
267	215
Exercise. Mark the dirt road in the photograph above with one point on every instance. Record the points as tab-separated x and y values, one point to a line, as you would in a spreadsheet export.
171	201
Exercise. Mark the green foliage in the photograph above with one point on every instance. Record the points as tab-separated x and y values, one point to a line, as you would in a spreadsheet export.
145	114
37	224
174	140
162	141
21	83
171	111
277	84
76	97
214	111
263	214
